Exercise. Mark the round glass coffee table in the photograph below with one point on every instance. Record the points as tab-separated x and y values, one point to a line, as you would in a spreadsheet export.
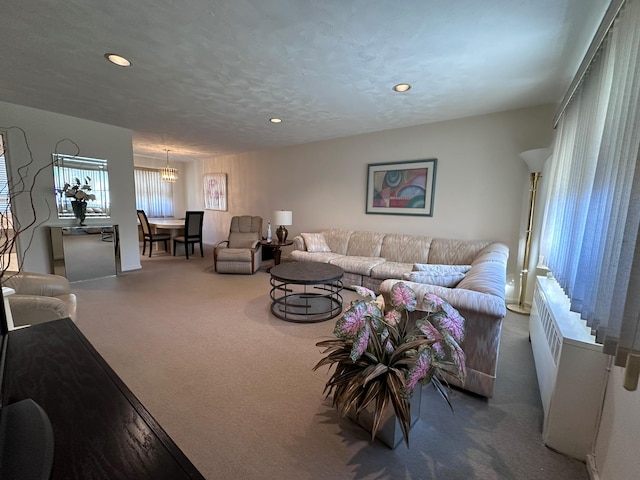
306	291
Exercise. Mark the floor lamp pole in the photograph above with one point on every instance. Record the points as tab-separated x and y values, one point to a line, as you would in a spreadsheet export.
521	307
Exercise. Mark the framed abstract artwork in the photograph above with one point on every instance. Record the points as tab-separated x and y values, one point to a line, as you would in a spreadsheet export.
401	188
215	191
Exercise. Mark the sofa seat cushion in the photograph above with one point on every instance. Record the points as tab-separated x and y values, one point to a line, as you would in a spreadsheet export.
391	270
359	265
304	256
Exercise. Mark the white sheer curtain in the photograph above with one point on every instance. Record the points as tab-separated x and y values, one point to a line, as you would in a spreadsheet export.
153	195
593	210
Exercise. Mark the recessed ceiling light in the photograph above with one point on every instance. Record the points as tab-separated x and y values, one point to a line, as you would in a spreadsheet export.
402	87
117	60
275	120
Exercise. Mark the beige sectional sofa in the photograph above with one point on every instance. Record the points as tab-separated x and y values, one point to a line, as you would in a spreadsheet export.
378	260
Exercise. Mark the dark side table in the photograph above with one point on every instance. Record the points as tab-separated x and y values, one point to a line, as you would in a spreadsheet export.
276	246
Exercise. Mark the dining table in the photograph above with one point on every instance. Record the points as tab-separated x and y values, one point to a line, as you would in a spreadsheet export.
175	226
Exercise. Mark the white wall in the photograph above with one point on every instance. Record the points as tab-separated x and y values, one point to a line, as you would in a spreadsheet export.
618	441
481	183
43	131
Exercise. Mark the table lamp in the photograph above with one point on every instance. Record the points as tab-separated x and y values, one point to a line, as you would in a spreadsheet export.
282	218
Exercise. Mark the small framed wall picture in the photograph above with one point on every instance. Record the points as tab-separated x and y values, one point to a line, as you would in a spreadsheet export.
401	188
215	191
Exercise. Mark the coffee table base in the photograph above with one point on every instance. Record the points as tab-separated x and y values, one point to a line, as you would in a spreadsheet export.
304	306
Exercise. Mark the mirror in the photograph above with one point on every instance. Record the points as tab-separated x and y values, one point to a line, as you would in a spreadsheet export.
83	177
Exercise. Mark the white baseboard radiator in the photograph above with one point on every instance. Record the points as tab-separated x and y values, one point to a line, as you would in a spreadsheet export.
571	370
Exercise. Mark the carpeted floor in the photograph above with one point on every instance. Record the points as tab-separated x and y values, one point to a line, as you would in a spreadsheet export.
233	386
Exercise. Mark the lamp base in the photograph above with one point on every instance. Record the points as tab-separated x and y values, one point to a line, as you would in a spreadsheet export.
282	233
517	308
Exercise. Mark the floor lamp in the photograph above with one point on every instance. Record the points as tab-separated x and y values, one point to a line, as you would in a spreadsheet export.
535	160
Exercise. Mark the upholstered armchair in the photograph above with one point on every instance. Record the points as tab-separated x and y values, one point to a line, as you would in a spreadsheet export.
39	297
241	252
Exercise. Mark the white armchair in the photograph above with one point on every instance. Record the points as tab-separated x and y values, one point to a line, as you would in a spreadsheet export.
39	297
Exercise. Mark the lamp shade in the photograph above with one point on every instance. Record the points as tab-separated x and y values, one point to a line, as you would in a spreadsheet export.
536	158
282	217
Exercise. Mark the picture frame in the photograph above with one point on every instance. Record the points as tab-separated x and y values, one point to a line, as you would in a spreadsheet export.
401	188
215	191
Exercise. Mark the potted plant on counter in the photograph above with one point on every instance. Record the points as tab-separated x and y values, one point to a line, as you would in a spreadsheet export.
381	355
79	193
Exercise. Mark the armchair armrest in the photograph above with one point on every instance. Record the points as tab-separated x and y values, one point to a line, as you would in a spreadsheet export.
221	243
34	309
41	284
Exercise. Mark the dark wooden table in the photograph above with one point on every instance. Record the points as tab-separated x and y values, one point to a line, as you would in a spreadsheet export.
306	291
276	246
101	430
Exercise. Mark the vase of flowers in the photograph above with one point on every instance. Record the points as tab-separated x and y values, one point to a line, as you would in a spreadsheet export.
79	192
381	354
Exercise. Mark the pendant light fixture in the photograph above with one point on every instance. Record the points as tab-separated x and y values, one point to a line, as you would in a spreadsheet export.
169	174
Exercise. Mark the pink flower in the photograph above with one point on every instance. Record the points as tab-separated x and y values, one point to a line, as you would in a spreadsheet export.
403	297
392	317
419	370
352	321
365	292
452	324
431	302
429	331
360	343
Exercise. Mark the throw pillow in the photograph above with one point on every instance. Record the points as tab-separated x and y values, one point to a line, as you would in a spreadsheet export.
436	269
315	242
446	280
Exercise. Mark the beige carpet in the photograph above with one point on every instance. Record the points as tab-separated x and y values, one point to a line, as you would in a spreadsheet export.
233	386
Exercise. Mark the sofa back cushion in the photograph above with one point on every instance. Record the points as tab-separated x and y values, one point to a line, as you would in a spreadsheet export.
365	244
455	252
337	239
401	248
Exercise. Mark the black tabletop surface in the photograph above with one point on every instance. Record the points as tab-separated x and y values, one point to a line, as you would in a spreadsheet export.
306	272
101	430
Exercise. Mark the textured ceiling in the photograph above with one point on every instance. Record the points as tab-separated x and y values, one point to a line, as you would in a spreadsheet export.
208	74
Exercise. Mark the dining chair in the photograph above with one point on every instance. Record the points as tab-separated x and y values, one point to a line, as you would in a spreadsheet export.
149	236
192	233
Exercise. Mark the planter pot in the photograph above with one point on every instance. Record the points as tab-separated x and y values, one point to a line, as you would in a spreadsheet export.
390	432
79	210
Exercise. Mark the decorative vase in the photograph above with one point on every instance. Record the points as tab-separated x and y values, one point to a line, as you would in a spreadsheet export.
79	210
390	432
269	232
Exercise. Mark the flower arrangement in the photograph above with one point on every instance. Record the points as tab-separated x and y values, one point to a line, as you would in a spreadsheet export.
78	191
380	354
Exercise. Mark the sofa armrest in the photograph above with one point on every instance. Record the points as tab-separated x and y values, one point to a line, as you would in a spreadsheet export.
482	303
298	243
41	284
